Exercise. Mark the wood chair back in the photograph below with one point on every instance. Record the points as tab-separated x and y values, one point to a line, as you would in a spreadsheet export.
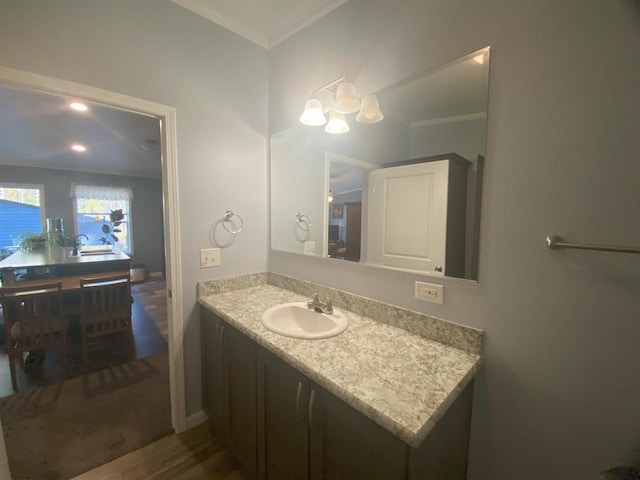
105	308
33	320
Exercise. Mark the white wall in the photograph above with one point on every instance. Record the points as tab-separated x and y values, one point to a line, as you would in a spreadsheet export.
559	393
160	52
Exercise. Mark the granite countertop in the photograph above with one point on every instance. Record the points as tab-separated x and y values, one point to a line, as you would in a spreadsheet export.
400	380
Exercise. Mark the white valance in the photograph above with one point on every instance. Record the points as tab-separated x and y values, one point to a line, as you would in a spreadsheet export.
101	192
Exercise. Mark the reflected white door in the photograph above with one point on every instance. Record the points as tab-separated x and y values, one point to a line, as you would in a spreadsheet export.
408	216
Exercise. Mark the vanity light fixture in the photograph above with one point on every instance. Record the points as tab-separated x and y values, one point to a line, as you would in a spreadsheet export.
339	98
346	99
370	110
78	106
313	114
330	198
337	123
76	147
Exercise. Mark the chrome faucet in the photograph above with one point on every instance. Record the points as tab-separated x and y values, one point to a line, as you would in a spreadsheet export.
77	243
320	307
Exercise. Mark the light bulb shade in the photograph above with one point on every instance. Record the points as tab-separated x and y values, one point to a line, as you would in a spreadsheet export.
336	123
346	99
370	110
312	114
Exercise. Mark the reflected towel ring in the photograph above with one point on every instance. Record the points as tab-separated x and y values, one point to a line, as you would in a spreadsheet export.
302	228
303	222
227	218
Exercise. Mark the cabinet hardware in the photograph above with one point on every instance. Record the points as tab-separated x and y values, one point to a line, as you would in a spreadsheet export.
311	400
221	333
298	400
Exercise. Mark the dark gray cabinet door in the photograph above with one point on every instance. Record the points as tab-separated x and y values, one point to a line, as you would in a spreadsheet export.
305	432
212	367
345	445
283	445
240	401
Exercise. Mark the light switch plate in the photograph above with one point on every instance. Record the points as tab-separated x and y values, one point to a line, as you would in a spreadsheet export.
209	257
430	292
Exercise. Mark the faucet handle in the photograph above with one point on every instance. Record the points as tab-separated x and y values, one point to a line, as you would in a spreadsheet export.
315	298
328	308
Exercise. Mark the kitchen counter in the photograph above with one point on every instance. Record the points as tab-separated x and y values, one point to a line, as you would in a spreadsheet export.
58	256
58	262
400	380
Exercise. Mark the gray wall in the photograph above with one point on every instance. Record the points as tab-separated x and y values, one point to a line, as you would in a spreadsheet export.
157	51
466	138
146	206
559	393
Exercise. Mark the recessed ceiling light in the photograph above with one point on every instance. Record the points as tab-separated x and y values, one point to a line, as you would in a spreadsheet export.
76	147
80	107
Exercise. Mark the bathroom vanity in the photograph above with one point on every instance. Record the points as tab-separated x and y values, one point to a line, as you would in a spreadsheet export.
376	401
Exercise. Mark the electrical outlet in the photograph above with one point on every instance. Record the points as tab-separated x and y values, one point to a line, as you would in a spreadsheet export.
310	248
430	292
209	257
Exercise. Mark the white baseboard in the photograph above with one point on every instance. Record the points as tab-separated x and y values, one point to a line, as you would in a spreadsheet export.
196	419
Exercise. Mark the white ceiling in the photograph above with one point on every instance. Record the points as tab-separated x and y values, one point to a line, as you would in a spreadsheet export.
264	22
37	130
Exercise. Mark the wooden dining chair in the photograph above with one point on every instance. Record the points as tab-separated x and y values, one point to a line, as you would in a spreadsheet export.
33	320
105	309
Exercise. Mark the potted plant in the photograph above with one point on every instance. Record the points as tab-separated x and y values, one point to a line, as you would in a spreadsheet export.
110	228
42	240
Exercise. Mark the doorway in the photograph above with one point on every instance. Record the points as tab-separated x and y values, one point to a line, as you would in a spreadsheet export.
166	116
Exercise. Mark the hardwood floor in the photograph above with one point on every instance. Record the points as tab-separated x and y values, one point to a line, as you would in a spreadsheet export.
198	454
152	295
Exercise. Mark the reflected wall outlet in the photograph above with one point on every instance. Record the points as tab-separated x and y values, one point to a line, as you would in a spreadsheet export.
209	257
310	248
430	292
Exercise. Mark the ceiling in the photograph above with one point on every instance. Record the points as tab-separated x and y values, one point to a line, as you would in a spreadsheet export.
264	22
37	130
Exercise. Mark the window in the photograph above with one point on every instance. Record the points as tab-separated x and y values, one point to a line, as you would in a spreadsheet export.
21	211
93	206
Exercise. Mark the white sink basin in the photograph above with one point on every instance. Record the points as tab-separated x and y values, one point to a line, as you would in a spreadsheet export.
296	320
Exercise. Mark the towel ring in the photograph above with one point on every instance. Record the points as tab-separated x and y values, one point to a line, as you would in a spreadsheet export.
227	218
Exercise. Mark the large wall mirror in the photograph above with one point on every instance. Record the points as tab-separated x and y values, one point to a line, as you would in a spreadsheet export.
403	193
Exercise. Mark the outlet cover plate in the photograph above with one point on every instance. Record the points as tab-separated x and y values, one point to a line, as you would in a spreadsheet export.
430	292
310	248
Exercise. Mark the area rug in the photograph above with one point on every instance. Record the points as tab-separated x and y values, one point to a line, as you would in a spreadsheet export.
61	430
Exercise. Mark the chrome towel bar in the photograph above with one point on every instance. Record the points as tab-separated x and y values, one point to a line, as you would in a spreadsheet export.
555	241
